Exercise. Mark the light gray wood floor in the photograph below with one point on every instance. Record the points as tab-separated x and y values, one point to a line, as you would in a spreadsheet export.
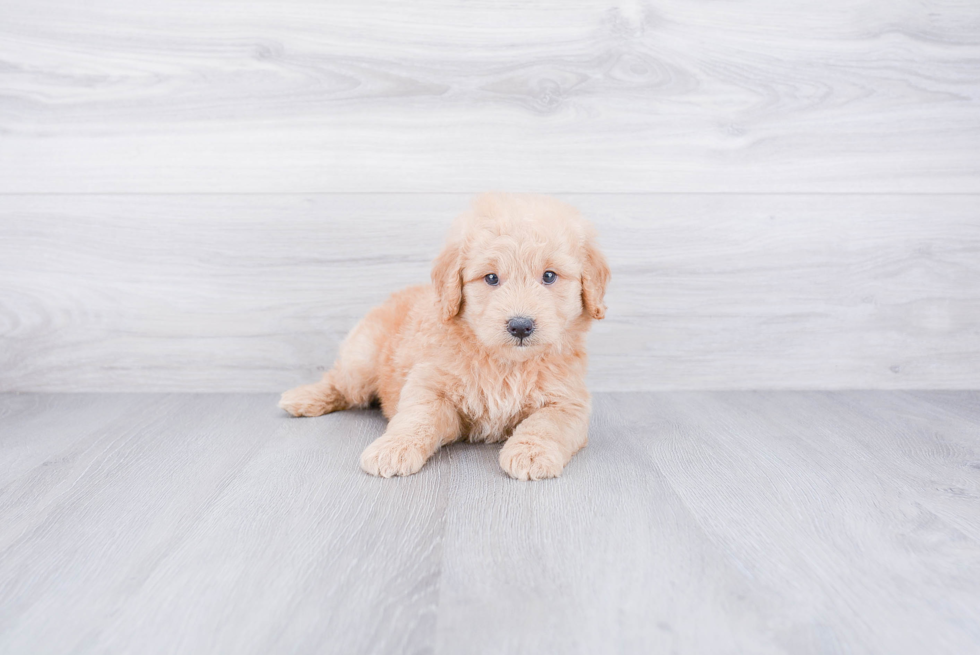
695	522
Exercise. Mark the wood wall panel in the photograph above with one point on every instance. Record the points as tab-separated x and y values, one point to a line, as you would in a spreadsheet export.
253	293
547	97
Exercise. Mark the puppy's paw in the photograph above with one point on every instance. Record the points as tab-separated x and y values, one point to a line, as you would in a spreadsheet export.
310	400
390	455
531	459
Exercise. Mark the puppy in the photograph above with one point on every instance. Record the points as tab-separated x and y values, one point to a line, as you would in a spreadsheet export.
492	350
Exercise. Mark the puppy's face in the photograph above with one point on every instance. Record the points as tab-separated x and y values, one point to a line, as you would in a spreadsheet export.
523	272
521	290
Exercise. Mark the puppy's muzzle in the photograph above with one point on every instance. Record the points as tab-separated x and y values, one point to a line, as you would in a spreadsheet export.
520	327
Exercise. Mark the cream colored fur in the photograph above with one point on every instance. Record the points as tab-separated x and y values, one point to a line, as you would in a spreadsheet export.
442	364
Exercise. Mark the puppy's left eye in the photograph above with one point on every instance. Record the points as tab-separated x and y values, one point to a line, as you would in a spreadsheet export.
549	277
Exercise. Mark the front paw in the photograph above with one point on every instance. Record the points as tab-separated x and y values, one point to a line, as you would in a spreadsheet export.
525	458
389	456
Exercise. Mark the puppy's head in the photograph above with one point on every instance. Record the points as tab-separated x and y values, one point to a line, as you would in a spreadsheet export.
524	273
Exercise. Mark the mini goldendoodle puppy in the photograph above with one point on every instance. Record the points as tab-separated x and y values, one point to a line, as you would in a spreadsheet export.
492	350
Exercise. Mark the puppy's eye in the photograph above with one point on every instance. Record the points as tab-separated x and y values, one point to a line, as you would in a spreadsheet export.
492	279
549	277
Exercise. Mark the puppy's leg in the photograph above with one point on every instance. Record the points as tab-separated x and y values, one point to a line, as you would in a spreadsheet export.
315	399
423	423
544	442
353	380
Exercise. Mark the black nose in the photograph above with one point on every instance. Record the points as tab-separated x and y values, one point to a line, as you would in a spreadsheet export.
520	327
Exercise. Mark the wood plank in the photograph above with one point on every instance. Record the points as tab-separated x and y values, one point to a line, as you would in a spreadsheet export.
599	96
209	506
695	522
605	559
49	452
816	504
254	293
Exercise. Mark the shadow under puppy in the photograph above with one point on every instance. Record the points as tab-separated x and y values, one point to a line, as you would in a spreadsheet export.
492	350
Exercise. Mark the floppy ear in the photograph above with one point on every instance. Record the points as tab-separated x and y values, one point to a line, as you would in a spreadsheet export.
447	278
595	277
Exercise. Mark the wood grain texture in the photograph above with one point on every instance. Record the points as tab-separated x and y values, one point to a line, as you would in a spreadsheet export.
286	550
254	293
382	96
695	522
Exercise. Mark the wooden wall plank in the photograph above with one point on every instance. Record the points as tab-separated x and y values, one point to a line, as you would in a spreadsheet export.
666	96
253	293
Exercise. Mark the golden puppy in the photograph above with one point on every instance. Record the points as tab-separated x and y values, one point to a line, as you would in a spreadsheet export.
494	349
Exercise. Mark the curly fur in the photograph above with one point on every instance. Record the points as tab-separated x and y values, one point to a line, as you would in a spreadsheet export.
442	364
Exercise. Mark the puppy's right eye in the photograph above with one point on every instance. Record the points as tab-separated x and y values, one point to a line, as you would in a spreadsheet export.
492	279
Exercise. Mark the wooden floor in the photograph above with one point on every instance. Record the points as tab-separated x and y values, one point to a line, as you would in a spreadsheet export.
695	522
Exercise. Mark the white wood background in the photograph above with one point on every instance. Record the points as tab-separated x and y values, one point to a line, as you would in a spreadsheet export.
205	196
